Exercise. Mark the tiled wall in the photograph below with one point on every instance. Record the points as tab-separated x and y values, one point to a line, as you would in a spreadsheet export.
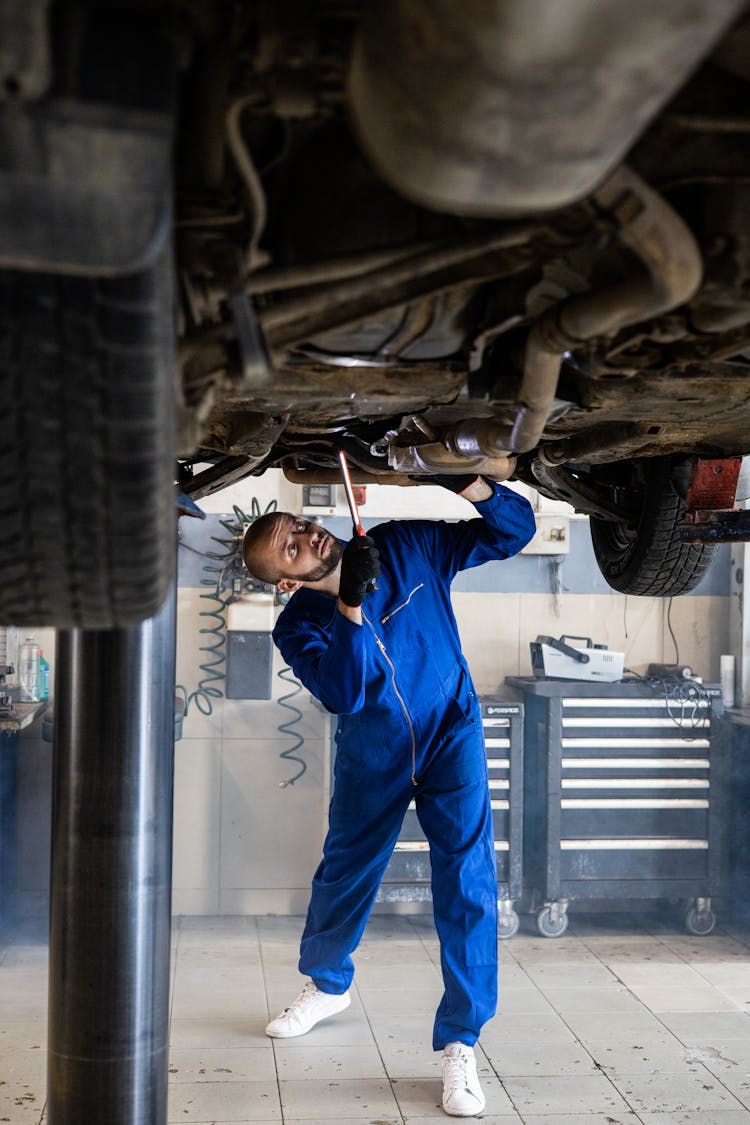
243	843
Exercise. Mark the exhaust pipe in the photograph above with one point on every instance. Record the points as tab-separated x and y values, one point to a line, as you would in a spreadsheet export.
670	275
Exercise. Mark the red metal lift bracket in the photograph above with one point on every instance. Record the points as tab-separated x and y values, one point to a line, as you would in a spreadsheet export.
710	514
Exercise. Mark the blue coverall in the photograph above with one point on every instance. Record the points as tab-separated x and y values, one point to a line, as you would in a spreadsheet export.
409	729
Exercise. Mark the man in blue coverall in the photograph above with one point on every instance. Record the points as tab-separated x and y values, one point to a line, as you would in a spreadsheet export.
388	662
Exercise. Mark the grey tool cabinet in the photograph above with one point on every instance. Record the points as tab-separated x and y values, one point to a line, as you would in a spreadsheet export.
624	796
407	877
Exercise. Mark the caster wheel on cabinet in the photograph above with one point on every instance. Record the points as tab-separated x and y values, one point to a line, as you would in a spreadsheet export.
700	922
551	923
507	925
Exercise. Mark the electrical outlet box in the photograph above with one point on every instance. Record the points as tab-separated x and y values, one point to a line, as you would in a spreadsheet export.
319	500
249	665
552	536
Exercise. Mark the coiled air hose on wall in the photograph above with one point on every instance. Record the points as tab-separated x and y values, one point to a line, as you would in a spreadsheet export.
223	572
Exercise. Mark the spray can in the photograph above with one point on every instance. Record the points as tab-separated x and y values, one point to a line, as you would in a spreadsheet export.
28	670
43	676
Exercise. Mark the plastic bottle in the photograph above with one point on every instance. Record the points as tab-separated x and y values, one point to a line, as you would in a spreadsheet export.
43	676
28	670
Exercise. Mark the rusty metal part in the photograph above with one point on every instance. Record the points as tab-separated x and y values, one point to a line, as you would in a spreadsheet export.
245	433
434	457
321	393
670	274
536	394
720	527
297	319
314	391
599	444
713	486
477	437
712	348
512	107
297	475
665	247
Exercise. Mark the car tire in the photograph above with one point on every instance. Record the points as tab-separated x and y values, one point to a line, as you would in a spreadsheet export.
87	447
652	559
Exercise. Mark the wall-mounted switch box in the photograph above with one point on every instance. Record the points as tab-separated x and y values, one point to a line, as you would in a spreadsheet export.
249	665
249	648
319	500
552	536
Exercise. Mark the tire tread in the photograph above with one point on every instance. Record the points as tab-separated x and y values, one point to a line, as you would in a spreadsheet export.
86	367
659	563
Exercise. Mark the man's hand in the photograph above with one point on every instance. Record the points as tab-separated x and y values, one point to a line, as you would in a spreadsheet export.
360	566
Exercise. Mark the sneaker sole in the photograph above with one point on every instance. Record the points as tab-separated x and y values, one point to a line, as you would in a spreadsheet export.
465	1113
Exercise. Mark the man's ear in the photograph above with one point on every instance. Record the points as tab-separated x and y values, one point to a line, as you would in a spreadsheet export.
288	585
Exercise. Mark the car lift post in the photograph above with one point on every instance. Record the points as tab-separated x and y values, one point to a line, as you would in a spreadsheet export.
111	881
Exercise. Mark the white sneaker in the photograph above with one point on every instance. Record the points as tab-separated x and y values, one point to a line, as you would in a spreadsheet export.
310	1007
462	1094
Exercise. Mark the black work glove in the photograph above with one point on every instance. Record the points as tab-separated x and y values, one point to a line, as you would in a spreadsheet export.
360	566
455	484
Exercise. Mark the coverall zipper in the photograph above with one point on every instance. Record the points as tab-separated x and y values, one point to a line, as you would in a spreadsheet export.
403	605
399	697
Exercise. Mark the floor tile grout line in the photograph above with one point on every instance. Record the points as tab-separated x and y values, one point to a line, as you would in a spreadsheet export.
259	939
377	1048
598	1069
686	1046
656	1016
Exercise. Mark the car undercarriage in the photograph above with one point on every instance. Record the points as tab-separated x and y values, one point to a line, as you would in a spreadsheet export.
439	237
571	346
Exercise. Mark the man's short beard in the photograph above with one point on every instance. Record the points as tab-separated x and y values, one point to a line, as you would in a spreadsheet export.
327	565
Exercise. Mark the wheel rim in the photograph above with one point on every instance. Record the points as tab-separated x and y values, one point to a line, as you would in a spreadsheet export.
622	536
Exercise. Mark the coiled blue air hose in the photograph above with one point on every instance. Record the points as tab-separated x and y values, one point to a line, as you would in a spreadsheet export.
212	668
291	755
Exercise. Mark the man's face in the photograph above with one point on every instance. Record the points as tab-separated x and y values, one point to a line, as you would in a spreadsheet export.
302	551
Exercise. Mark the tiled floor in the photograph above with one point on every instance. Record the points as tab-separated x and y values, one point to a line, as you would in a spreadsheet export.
617	1022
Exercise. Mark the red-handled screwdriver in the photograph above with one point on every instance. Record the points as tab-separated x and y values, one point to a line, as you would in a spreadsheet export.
357	528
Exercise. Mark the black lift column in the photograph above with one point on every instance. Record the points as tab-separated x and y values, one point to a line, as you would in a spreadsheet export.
110	895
